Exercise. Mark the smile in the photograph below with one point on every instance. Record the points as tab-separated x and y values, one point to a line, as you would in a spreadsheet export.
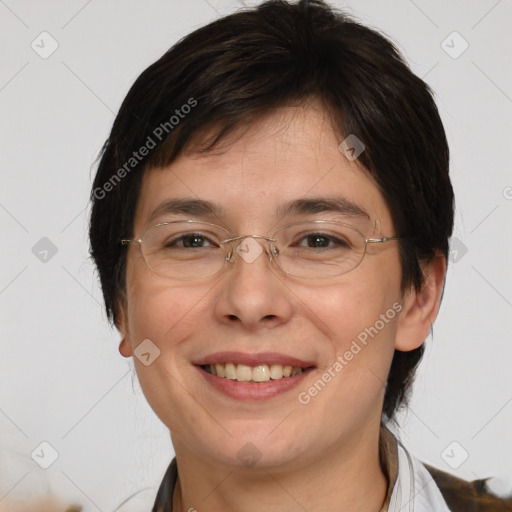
253	376
256	374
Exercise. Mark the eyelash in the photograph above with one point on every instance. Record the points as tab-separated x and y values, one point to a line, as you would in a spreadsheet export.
171	243
331	238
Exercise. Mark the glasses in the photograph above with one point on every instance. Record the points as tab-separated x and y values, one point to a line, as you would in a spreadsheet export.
315	249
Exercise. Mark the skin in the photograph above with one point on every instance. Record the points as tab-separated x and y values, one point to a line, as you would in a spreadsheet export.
322	456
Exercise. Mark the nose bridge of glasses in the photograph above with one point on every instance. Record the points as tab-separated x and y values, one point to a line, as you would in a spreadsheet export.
248	247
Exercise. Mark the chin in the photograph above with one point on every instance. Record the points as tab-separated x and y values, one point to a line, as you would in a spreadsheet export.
256	448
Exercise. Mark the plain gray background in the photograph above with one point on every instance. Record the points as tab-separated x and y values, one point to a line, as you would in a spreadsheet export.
63	381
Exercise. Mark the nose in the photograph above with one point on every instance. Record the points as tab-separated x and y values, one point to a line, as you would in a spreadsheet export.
252	292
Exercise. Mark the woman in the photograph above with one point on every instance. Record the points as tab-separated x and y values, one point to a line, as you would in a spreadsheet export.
270	223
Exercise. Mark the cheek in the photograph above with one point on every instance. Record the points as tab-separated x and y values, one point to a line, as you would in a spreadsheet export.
167	315
362	322
352	304
359	318
163	312
156	307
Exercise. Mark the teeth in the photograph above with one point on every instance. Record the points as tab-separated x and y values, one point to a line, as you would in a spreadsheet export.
276	371
243	373
259	373
230	371
219	370
296	371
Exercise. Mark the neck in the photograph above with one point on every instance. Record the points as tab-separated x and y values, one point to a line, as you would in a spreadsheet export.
347	477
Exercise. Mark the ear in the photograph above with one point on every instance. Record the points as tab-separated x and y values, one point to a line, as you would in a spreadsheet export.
420	307
121	320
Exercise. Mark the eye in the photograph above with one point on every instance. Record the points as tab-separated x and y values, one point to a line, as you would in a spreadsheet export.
323	241
189	241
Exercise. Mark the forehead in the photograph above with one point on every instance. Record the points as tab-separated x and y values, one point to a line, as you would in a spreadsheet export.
289	155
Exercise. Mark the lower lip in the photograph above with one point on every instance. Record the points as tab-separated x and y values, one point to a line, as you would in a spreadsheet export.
254	390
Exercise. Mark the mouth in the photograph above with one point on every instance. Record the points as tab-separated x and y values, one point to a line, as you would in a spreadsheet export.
253	376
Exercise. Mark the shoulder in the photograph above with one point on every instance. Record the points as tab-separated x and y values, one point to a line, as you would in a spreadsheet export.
464	496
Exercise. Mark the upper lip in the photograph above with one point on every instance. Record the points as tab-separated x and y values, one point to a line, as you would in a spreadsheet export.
253	359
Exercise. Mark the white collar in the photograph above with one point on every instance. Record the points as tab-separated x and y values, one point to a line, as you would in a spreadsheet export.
415	489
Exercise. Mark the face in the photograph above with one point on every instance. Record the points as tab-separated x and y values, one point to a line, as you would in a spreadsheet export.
340	331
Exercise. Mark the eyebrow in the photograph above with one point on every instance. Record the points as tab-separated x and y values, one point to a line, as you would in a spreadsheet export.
197	207
314	205
322	205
